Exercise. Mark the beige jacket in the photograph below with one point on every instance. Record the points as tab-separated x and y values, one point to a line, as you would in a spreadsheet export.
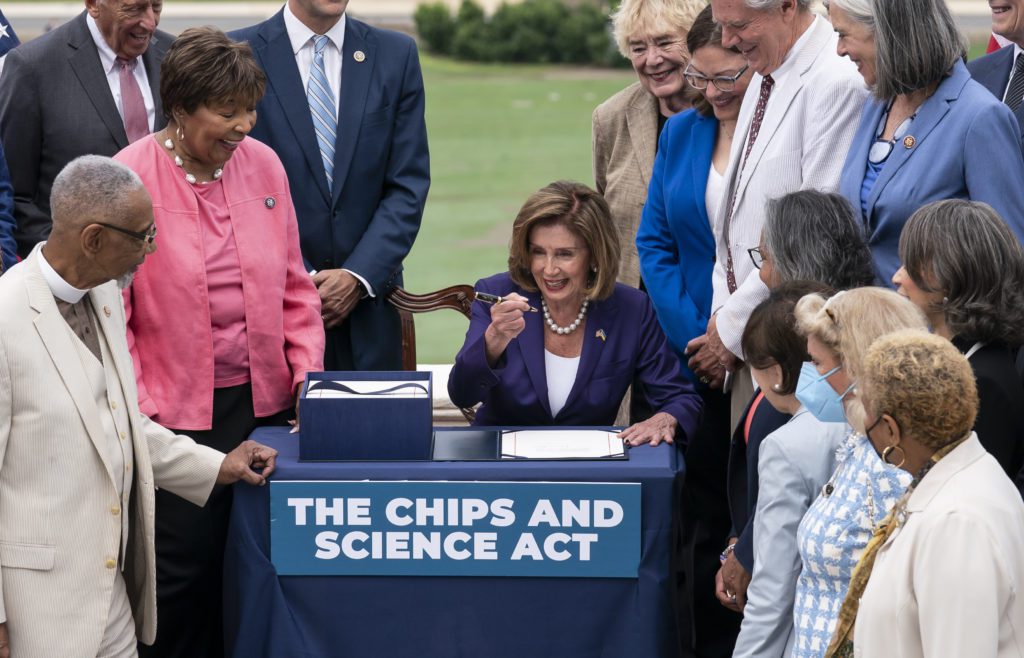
950	581
624	139
60	515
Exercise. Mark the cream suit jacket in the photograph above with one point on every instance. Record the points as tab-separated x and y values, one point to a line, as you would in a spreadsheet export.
624	141
60	523
950	580
807	129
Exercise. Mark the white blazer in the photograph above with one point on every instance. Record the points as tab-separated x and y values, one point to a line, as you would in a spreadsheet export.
950	580
60	514
809	123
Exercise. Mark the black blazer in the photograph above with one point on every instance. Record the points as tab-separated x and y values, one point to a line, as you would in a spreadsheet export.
993	73
55	105
742	475
1000	421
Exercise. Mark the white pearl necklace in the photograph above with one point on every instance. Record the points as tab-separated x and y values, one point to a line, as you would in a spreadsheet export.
564	330
217	173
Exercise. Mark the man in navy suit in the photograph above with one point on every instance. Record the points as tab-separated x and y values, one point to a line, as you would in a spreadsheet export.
345	115
997	71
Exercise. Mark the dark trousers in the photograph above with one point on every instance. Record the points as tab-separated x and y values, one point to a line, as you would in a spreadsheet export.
190	543
707	629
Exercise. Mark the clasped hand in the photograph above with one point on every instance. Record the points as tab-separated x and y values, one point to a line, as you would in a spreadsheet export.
339	294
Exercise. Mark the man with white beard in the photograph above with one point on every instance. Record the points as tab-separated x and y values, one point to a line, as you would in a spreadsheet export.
78	461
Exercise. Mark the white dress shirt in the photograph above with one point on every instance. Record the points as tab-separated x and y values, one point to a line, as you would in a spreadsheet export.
108	59
1017	50
561	375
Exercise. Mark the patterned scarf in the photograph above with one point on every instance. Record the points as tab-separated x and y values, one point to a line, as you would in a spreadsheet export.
842	642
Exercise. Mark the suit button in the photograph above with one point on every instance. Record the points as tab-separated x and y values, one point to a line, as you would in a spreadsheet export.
113	405
122	435
111	563
115	510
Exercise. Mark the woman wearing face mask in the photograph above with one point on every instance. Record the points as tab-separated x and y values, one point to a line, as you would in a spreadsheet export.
943	574
863	487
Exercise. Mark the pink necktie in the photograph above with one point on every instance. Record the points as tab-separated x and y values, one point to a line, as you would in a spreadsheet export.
136	120
755	127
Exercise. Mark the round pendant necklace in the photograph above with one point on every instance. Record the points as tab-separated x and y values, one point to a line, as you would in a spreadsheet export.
217	173
564	330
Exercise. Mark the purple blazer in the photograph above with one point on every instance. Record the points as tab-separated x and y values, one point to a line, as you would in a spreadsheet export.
623	340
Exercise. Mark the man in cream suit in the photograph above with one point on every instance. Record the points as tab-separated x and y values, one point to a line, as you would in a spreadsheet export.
78	462
796	124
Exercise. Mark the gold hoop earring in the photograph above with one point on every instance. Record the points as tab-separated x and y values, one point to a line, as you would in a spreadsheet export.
891	449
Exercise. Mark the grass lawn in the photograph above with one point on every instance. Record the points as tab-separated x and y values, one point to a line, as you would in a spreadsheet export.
497	134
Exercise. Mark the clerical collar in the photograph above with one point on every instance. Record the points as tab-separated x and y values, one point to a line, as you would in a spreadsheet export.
60	288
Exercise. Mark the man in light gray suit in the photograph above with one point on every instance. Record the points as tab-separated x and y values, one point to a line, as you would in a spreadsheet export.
91	86
78	461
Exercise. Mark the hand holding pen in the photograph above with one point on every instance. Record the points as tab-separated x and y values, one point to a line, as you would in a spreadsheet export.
507	322
488	298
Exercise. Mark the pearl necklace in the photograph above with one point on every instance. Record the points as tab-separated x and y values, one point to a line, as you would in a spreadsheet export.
564	330
217	173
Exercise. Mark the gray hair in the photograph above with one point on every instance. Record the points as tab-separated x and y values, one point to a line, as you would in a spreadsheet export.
814	236
765	5
91	187
651	18
965	250
916	43
857	10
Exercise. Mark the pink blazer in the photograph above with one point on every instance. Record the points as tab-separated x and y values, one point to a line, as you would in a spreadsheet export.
168	307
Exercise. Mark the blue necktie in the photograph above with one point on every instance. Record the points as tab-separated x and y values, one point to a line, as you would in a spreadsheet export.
321	107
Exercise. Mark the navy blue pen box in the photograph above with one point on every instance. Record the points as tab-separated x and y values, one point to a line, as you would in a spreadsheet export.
366	416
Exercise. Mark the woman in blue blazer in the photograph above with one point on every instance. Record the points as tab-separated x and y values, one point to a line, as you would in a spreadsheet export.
571	362
930	132
675	240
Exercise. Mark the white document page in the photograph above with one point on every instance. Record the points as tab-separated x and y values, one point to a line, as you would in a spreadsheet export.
561	444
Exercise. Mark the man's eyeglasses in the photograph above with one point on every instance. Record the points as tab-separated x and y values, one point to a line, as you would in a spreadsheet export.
722	82
148	236
756	257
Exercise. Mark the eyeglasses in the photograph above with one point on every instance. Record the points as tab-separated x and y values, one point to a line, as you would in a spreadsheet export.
721	82
756	257
881	149
148	236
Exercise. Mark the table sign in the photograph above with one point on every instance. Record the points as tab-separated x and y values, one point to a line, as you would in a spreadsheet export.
553	529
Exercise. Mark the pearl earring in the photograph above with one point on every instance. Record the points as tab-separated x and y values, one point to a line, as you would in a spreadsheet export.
777	388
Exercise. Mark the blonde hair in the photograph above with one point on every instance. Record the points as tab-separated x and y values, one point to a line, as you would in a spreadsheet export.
636	18
923	382
849	322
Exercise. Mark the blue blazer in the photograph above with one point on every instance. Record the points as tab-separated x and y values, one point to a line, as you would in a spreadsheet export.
8	245
675	241
367	222
964	148
993	73
622	340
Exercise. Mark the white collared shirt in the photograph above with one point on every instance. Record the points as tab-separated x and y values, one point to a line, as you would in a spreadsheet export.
108	60
60	288
301	38
1017	50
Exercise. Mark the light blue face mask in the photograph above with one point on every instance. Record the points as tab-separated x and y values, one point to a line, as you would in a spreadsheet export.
818	396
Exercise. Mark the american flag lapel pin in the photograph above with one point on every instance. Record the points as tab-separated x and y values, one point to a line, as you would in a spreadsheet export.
600	334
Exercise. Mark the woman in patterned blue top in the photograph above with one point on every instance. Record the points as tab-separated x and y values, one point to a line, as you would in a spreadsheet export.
863	488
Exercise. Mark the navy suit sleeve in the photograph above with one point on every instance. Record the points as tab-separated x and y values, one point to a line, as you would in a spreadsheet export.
744	550
391	232
660	260
472	377
657	367
8	247
993	169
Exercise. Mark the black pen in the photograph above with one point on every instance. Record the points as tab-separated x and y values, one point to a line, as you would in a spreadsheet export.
494	299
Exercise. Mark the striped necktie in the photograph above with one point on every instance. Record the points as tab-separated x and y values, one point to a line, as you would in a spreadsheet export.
1015	92
321	107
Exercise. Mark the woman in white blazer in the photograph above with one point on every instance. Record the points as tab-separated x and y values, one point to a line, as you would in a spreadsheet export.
794	462
944	572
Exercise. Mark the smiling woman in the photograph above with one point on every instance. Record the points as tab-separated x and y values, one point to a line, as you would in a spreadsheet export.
223	320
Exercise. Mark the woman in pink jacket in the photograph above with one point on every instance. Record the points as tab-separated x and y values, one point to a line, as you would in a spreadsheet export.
223	319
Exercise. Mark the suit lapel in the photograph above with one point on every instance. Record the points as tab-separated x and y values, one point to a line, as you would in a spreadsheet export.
85	62
600	317
703	141
531	349
106	298
151	60
996	74
278	61
355	82
929	115
642	124
53	331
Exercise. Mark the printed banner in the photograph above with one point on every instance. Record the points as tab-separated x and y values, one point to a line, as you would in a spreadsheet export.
554	529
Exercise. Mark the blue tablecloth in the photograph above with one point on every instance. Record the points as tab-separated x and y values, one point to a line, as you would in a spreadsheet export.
447	617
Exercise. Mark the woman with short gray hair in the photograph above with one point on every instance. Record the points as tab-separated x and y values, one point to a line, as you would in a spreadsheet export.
813	236
930	132
964	268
